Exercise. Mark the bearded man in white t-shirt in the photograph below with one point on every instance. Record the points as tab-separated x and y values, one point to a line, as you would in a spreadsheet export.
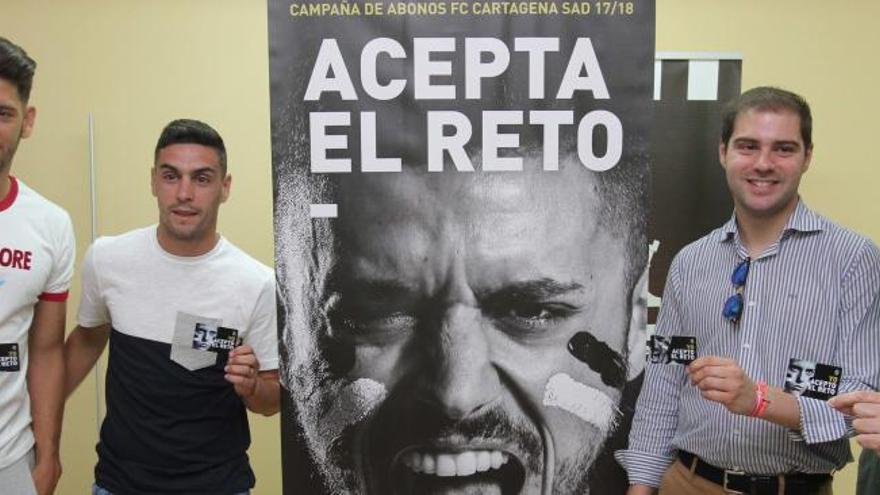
37	251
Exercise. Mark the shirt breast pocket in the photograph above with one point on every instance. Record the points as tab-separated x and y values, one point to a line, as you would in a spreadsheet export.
185	343
805	323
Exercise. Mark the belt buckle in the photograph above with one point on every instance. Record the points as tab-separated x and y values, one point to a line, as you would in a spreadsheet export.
731	490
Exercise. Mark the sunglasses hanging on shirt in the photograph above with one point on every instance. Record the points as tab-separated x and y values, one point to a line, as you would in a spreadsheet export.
733	306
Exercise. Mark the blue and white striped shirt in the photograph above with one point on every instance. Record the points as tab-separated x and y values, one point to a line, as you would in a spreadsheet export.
813	295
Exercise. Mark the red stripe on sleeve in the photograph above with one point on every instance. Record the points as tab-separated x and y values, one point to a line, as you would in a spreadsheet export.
53	296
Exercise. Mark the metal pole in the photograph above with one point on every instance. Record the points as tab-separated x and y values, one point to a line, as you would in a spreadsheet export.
93	204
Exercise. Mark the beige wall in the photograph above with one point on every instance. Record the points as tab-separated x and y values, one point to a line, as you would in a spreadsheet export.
137	64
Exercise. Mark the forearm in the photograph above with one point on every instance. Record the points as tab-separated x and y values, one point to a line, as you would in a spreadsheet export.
266	399
783	409
45	377
82	349
650	452
45	380
641	490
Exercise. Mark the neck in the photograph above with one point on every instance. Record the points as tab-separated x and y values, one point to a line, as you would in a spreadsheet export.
757	233
186	247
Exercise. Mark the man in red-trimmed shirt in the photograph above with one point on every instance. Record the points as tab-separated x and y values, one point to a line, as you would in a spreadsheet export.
36	264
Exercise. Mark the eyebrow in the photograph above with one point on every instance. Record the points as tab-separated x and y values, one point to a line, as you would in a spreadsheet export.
530	290
340	283
168	166
743	140
796	144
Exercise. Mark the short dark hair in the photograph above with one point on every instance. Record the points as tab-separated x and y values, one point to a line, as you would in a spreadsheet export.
768	98
17	67
189	131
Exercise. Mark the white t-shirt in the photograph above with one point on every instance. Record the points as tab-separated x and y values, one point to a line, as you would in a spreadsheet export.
131	281
37	252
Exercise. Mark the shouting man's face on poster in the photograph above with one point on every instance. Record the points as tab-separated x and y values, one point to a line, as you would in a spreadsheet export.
799	375
471	333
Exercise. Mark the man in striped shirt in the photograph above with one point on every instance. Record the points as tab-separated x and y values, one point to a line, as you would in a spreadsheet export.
803	288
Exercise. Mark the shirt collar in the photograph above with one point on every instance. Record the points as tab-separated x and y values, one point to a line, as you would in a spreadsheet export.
6	203
802	219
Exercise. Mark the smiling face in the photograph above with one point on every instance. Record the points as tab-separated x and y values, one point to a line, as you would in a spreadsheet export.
189	186
764	160
472	337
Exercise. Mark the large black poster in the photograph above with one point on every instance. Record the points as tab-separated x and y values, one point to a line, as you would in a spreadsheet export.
460	217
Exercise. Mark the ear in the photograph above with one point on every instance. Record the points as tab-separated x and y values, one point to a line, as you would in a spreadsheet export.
638	325
722	154
153	179
27	126
808	157
227	185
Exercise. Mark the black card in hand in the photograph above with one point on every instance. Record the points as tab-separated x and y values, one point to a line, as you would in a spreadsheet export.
683	350
812	379
214	338
673	349
225	341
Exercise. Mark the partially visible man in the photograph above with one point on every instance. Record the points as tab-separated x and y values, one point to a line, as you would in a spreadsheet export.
864	406
776	282
462	333
37	251
176	420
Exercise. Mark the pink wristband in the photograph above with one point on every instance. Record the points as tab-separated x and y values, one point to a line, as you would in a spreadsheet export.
761	400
